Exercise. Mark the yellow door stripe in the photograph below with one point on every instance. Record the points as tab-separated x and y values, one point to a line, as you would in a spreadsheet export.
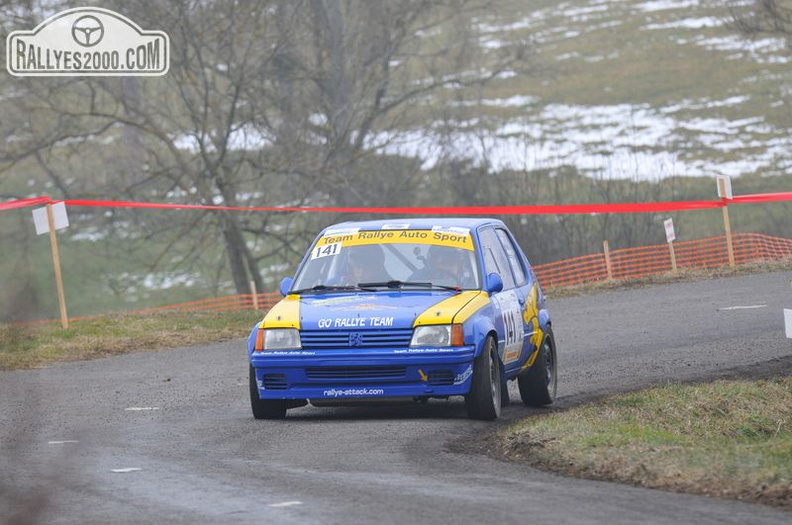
531	360
531	318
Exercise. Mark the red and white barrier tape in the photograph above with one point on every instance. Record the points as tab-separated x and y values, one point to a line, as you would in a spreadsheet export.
560	209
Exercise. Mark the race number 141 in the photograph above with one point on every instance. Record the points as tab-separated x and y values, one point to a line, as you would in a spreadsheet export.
325	251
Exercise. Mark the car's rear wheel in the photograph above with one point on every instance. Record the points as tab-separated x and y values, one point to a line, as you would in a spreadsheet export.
539	383
264	408
484	399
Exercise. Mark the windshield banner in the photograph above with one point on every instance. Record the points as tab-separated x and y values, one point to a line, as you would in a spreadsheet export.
439	237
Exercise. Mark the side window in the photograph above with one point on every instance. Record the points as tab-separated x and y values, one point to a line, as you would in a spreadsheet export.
514	259
495	259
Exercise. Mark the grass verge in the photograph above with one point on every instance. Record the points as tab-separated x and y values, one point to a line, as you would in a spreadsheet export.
38	345
729	439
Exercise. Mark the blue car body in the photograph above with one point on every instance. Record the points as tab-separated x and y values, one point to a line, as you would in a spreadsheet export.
355	344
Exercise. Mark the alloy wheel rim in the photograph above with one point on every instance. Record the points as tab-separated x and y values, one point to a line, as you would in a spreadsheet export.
494	387
549	364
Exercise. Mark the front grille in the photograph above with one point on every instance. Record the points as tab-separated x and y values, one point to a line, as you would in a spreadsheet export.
355	372
328	339
274	382
441	377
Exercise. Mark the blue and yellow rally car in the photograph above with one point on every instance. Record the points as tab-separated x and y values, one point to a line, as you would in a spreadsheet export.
411	310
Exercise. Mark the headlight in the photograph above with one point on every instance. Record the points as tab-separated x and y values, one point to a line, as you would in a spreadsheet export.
438	335
281	339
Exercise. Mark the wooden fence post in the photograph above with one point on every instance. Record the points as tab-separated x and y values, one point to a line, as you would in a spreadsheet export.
727	227
722	190
255	295
607	260
673	256
56	262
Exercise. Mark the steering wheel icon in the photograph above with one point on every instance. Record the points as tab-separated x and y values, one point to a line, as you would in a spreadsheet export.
87	31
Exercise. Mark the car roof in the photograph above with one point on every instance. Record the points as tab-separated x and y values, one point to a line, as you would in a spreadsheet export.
418	223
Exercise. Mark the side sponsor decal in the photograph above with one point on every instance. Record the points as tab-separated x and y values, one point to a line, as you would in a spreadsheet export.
461	378
511	314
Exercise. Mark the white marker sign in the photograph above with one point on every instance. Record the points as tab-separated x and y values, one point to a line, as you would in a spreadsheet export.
724	188
788	322
58	213
669	229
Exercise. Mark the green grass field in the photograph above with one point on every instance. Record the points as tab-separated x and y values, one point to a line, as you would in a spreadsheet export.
36	346
730	439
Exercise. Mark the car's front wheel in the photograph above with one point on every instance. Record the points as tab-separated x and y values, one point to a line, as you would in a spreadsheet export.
539	383
484	399
264	408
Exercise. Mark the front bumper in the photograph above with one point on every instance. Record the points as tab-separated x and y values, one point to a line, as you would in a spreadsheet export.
363	374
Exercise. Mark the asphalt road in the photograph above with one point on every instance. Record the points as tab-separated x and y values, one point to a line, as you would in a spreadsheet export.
204	459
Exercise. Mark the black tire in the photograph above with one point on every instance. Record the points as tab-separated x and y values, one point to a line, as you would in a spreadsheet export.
504	392
484	399
539	383
264	408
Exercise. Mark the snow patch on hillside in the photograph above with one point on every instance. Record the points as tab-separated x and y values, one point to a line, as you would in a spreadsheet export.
624	140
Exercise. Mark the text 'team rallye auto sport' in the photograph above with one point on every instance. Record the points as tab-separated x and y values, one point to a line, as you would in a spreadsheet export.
385	310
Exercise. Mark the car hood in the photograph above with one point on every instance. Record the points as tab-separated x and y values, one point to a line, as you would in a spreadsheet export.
363	311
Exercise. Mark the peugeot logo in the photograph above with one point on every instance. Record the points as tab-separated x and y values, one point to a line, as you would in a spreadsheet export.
355	339
87	31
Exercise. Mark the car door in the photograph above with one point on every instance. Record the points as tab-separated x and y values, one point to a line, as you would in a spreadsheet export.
529	292
508	302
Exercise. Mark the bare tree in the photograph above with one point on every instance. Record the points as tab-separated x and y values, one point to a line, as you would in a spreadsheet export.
758	17
266	103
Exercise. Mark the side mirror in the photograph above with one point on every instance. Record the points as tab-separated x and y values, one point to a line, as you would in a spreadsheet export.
286	285
493	283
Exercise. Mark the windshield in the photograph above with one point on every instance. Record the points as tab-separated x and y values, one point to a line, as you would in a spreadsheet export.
416	258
